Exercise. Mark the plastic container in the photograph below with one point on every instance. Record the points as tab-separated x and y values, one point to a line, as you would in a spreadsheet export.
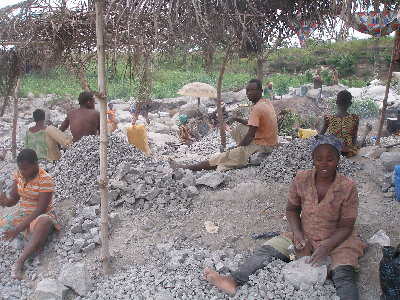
397	182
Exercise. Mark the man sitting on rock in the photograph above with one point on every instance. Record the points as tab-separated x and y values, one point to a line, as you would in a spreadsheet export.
83	121
258	134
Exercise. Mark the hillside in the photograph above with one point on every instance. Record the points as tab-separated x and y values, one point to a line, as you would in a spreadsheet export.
354	61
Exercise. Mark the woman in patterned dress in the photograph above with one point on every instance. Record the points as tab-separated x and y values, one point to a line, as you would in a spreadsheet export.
33	191
345	125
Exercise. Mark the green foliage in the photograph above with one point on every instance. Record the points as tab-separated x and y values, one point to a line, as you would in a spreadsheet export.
345	63
326	76
286	125
281	87
354	81
365	108
282	82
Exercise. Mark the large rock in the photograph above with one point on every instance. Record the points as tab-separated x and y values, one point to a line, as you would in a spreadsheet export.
327	91
390	160
50	289
76	276
232	97
212	180
298	272
191	109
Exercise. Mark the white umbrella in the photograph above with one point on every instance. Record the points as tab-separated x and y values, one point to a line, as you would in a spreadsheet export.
198	89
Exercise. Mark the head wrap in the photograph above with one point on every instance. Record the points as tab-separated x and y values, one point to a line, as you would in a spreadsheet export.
183	119
326	140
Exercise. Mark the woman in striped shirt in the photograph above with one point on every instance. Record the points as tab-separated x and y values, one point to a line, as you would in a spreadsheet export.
32	190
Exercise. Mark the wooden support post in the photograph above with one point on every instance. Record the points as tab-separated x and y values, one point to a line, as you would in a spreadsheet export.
15	118
384	101
219	107
101	69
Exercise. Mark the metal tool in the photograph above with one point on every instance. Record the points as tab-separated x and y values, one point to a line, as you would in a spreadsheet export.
265	234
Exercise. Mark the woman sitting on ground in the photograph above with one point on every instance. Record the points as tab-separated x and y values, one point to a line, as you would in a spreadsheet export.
33	190
345	125
35	137
321	210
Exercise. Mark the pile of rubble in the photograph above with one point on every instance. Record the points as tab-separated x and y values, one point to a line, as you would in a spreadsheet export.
12	289
174	271
136	182
284	162
209	144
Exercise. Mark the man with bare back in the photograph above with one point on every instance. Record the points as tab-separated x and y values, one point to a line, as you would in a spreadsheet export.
83	121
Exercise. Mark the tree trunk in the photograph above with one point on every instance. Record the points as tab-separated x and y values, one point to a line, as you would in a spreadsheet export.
103	135
219	107
260	68
384	101
15	119
5	104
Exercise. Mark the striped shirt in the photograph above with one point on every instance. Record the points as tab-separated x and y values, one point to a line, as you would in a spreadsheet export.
29	194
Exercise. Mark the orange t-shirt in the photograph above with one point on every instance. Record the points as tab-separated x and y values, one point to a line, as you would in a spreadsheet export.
263	117
111	119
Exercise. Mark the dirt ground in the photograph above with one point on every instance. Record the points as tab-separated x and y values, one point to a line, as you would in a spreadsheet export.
244	206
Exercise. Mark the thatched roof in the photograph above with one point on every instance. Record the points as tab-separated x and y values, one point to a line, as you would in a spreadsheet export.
48	31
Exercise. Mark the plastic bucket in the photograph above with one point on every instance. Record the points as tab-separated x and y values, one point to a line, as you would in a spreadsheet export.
397	182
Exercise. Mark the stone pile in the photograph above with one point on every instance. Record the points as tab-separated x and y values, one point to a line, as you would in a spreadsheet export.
209	144
284	162
11	289
174	271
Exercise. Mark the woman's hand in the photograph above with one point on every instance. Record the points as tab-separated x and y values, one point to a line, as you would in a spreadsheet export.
300	241
10	234
319	255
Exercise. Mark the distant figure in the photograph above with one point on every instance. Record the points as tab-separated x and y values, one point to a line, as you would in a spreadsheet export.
317	79
258	134
35	137
33	191
111	120
268	91
45	140
140	108
186	135
345	125
85	120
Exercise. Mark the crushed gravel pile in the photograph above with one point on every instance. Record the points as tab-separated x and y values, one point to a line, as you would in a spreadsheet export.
284	162
209	144
13	289
175	271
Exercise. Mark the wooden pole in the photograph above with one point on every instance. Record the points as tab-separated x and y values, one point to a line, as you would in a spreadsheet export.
219	107
15	118
101	69
384	101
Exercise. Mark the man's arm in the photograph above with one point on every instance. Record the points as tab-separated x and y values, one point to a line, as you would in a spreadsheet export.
236	119
248	138
64	125
14	197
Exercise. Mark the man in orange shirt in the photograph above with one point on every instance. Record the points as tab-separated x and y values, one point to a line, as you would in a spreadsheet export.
258	134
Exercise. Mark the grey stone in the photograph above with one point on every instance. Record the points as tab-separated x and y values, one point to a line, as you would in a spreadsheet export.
89	248
87	224
77	228
49	289
298	272
113	195
153	193
78	245
390	160
89	212
94	199
192	191
212	179
76	276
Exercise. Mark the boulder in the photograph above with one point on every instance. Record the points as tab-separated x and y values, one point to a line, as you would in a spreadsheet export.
299	272
191	110
390	160
212	180
233	97
50	289
76	276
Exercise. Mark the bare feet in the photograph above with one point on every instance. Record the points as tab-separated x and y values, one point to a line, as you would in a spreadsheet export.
16	271
224	283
